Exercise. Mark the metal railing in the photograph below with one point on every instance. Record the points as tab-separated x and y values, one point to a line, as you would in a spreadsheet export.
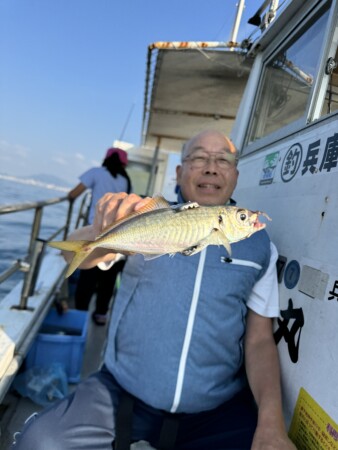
30	264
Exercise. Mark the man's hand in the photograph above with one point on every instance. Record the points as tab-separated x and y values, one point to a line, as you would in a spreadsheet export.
112	207
269	439
109	208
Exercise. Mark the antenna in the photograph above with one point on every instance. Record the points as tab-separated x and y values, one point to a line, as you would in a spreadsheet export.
234	33
127	121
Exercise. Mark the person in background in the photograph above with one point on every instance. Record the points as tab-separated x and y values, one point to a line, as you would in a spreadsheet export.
110	177
190	352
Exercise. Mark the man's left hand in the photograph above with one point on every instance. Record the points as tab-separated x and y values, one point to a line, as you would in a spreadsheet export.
269	439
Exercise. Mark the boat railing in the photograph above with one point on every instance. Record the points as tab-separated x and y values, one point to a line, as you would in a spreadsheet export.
31	262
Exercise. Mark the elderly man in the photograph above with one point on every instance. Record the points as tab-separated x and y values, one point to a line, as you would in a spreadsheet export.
190	351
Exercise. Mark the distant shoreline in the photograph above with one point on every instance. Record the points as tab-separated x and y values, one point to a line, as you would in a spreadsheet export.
33	182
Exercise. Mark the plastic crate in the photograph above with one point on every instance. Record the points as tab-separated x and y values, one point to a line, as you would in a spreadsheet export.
61	339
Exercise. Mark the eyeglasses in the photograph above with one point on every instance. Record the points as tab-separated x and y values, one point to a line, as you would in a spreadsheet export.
223	162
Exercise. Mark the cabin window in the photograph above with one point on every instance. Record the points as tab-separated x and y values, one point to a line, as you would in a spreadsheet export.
139	174
288	79
330	103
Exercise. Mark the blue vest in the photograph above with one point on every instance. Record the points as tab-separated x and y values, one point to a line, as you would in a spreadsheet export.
177	328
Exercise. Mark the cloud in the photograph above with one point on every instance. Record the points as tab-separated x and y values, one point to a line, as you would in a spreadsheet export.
68	159
12	151
20	160
70	164
22	151
4	157
14	157
60	160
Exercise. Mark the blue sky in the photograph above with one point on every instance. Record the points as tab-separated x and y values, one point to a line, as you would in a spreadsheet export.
72	70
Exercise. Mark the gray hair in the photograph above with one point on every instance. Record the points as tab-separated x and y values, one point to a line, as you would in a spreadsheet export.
186	145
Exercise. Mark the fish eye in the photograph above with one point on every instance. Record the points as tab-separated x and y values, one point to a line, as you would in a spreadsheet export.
242	216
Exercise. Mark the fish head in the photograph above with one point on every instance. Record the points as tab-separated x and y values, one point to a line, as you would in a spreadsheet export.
241	223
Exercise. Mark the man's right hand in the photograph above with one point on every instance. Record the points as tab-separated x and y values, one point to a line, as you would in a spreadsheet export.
110	207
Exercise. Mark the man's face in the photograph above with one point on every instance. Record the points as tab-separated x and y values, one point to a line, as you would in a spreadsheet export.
208	174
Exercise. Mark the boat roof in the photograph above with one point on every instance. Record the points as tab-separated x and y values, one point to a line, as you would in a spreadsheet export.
190	87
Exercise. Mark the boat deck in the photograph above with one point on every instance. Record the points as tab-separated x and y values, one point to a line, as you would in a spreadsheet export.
15	409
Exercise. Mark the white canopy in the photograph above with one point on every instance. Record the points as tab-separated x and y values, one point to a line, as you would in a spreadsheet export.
191	87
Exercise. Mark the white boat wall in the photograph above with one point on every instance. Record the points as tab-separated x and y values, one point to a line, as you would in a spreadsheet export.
287	131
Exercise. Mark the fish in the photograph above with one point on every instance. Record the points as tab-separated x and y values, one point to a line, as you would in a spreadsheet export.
160	228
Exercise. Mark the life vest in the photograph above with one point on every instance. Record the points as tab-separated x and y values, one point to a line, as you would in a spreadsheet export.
176	333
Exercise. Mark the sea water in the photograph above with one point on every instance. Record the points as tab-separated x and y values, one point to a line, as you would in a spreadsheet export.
15	228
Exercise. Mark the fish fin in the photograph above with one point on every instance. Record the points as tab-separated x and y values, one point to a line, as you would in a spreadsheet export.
223	240
185	206
157	202
150	257
70	246
81	250
216	237
198	247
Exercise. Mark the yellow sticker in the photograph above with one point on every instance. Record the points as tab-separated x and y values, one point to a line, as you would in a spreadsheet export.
311	428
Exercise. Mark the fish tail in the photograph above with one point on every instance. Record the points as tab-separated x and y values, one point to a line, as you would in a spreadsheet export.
81	250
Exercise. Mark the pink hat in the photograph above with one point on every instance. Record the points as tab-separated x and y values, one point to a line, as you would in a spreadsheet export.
123	156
